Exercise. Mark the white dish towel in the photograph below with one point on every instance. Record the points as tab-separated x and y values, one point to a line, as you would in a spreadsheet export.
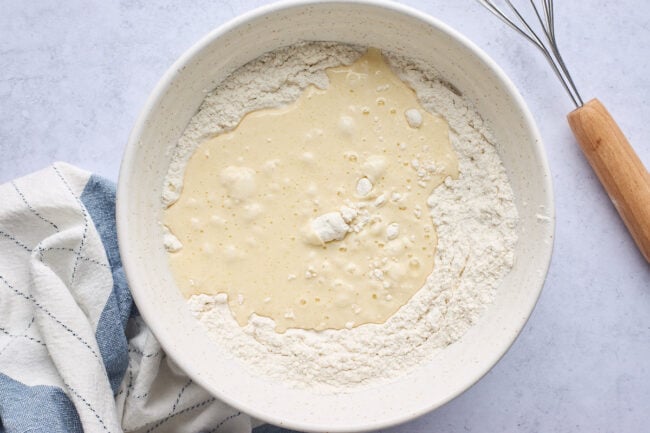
74	353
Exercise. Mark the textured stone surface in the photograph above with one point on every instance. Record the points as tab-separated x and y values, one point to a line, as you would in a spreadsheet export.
74	74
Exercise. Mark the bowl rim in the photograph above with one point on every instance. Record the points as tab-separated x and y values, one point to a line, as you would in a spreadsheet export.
128	161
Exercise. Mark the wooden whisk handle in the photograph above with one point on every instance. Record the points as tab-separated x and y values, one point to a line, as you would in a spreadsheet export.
618	167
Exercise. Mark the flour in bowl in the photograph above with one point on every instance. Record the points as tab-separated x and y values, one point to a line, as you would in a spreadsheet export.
473	214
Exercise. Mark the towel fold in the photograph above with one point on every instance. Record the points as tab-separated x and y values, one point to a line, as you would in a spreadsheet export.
74	353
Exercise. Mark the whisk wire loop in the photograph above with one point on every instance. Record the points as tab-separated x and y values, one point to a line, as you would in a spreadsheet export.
548	47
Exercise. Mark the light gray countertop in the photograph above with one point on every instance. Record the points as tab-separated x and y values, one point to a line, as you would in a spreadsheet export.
74	74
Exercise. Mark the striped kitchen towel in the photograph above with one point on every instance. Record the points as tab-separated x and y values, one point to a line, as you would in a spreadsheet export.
74	353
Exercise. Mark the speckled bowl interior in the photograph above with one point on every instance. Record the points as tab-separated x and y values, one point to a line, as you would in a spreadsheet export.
176	99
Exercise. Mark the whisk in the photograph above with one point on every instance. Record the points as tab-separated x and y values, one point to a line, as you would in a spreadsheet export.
609	153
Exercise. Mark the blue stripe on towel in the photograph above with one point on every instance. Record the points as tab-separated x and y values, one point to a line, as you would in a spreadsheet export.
99	199
32	408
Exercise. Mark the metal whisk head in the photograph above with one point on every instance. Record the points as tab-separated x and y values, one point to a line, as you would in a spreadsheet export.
547	44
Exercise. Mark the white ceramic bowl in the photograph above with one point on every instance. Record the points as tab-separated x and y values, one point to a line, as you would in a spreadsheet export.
175	100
